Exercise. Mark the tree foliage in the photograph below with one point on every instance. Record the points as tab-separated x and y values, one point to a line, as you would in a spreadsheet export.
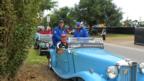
47	4
98	11
92	12
62	13
20	20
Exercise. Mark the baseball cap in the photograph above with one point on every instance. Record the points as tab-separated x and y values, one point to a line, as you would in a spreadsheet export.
78	24
63	35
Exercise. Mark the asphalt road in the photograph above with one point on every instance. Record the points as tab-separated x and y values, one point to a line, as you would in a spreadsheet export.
135	54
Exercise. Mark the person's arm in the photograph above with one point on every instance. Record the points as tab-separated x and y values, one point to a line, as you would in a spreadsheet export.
56	35
58	45
59	50
75	33
85	33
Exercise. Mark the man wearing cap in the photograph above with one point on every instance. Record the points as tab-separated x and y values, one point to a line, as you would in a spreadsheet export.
80	31
62	44
58	31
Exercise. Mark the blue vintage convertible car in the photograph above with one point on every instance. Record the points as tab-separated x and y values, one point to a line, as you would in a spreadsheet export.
87	60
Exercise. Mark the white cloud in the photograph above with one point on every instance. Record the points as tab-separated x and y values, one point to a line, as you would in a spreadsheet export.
132	9
63	3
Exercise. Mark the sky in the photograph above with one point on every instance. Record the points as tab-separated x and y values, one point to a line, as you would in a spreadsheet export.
69	3
132	9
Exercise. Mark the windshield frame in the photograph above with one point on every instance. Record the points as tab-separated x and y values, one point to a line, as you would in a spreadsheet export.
85	42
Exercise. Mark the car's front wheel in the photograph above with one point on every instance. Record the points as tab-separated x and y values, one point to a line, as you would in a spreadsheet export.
77	79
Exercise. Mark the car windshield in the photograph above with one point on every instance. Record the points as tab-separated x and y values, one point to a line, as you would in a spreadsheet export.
84	42
45	37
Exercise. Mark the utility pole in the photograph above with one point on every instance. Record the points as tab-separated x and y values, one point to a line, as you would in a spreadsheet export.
48	20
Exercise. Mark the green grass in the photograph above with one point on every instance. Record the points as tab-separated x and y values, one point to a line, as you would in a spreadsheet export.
34	58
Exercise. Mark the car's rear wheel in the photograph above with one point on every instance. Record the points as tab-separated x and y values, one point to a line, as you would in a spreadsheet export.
49	64
40	52
65	80
36	45
73	79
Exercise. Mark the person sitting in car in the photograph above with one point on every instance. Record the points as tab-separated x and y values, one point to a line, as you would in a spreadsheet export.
62	44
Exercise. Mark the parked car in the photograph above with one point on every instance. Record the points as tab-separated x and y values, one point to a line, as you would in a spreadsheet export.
87	60
44	43
43	40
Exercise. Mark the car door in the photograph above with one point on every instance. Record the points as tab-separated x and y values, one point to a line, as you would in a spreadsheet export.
63	61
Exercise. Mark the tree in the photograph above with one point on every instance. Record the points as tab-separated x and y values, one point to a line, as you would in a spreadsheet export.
20	21
62	13
45	5
98	11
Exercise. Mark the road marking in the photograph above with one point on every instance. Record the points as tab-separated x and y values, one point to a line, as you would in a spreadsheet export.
124	47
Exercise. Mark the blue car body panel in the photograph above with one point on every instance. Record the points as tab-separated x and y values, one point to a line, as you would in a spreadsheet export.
92	59
89	64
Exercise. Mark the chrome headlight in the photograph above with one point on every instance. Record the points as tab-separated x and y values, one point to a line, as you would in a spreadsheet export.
142	68
112	72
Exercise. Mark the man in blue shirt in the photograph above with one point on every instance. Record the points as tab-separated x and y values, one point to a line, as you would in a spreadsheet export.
58	31
80	31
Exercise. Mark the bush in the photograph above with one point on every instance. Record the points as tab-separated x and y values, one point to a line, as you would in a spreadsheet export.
20	20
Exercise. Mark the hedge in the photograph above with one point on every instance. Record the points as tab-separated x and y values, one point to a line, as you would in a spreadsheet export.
16	30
